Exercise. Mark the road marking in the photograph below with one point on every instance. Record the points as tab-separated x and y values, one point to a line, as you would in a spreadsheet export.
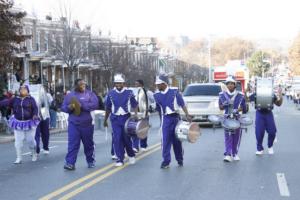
102	177
29	153
87	177
282	184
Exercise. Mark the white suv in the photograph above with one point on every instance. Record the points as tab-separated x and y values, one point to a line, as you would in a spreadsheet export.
202	100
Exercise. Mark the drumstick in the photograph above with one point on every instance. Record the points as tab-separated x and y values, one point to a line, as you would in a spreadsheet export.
106	133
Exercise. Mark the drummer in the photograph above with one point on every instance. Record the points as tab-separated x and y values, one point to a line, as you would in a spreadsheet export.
117	107
232	102
264	121
80	123
167	103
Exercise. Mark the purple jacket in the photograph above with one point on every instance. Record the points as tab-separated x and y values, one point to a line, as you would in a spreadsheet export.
23	108
88	101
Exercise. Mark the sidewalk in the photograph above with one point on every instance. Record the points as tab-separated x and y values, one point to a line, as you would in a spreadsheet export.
5	138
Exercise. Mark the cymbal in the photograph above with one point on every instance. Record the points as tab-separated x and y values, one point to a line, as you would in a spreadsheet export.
77	109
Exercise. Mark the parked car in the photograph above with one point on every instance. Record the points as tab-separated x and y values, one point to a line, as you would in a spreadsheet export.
202	100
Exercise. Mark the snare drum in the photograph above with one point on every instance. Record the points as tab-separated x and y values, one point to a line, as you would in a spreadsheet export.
138	127
231	124
215	119
245	121
186	131
264	93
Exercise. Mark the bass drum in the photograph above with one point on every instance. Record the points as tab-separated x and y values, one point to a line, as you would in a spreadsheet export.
138	127
264	93
231	124
39	94
186	131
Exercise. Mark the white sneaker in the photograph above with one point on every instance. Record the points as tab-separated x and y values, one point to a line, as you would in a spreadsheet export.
46	152
271	150
135	150
227	159
34	157
236	158
18	161
114	157
119	164
259	152
131	160
144	149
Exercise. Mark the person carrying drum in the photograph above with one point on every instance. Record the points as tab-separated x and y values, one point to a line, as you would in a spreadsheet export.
140	94
232	102
79	104
117	107
167	103
264	121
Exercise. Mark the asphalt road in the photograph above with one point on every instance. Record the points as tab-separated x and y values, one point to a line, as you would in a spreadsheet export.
204	175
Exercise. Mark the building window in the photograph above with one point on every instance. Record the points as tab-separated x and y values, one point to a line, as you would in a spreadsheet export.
46	40
38	41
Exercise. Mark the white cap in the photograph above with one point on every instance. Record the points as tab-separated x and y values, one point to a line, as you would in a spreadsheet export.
230	79
119	78
162	78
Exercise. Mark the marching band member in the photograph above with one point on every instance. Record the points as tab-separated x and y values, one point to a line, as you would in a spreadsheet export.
264	121
136	141
23	121
167	102
118	103
79	104
232	102
42	131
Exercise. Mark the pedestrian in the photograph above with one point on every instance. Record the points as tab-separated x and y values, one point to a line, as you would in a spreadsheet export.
118	103
264	122
232	102
168	102
23	121
79	104
143	107
42	131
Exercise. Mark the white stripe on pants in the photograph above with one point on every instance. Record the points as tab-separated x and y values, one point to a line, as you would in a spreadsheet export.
20	135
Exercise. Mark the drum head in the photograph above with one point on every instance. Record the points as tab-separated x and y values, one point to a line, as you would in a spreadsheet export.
142	128
194	132
231	124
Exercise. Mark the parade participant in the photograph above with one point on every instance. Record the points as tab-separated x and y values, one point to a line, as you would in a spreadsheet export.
118	103
232	101
79	104
264	121
23	121
167	103
42	131
136	141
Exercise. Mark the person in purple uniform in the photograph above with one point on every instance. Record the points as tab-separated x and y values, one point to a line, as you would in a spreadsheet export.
232	102
264	121
168	102
23	121
80	126
118	103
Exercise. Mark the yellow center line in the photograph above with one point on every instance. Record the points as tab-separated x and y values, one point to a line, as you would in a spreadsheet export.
102	177
85	178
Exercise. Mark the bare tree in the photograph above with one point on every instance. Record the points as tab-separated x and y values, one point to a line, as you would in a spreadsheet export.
71	43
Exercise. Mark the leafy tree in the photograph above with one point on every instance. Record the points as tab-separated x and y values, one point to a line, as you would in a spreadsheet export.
258	63
10	35
294	55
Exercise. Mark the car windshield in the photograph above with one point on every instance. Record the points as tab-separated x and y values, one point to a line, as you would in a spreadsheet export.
202	90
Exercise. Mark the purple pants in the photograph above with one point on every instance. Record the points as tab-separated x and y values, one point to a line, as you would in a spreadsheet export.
264	122
120	139
42	130
169	138
139	142
77	133
232	142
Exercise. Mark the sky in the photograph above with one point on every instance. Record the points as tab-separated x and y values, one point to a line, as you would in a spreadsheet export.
276	19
